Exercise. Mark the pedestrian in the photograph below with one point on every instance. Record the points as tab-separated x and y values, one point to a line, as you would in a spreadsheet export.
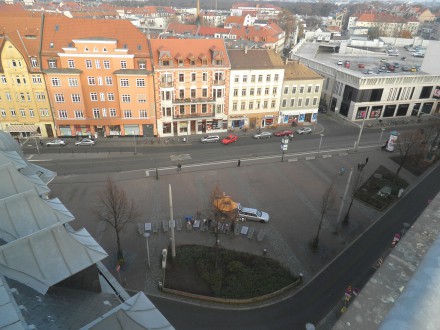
239	163
359	166
42	143
366	161
179	167
232	225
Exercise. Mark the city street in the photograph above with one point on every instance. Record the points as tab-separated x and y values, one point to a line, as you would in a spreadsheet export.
289	191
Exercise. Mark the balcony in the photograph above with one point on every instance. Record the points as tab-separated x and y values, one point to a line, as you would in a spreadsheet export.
194	100
195	115
166	84
220	82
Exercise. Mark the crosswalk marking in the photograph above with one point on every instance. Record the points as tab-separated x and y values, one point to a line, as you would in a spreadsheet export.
180	157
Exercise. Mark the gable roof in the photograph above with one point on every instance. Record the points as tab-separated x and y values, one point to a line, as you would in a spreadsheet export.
261	59
298	71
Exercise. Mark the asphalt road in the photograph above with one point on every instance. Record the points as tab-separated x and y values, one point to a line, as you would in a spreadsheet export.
319	296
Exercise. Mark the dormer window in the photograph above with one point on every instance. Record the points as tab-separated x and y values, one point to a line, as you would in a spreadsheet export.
52	64
51	45
204	62
86	49
105	50
95	50
180	61
165	63
142	65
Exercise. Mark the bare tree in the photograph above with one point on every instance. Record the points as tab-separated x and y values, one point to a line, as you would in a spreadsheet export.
328	200
355	186
408	144
114	209
224	211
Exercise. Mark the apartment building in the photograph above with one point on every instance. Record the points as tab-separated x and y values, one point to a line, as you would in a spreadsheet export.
301	94
24	104
388	25
256	84
99	77
192	79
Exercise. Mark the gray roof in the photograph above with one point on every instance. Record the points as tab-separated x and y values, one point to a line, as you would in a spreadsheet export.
255	59
11	318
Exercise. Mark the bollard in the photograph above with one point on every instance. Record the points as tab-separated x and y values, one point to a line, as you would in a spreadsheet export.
264	252
157	174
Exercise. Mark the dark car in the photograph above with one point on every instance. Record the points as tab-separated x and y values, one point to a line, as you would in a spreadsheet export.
284	133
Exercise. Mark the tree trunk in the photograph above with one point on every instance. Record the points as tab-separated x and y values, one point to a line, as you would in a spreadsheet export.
119	252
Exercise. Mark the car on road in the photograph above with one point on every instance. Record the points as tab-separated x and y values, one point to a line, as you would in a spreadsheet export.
284	133
340	62
229	139
361	65
210	139
56	143
250	213
262	135
383	60
304	130
406	68
85	142
369	71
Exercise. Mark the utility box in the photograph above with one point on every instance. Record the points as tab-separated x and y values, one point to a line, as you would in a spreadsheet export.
164	258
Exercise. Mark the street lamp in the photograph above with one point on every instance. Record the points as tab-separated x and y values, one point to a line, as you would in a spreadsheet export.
284	145
381	133
134	137
360	131
146	235
320	143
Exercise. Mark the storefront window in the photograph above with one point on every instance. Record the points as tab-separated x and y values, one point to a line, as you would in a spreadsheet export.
114	129
376	111
166	128
361	113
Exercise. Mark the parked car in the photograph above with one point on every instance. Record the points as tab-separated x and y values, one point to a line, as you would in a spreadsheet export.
322	109
369	71
230	139
413	69
347	64
56	143
396	65
340	62
361	65
304	130
262	135
210	138
391	67
252	214
85	142
383	60
284	133
406	68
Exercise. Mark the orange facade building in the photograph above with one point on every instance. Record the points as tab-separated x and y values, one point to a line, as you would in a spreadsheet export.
99	77
192	79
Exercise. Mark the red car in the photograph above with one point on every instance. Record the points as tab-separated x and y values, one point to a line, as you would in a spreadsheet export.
229	139
283	133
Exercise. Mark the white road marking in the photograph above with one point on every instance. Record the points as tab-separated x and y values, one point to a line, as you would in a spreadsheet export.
180	157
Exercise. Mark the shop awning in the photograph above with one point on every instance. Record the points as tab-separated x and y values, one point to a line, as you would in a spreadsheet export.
22	128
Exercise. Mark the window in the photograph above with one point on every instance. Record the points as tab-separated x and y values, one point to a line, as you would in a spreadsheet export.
300	102
301	89
108	81
127	114
71	64
8	96
52	64
40	96
96	113
88	64
79	114
110	96
18	80
193	76
97	64
123	64
284	103
181	110
293	89
316	88
23	113
56	82
112	112
124	82
142	98
268	78
76	98
204	92
258	91
59	98
243	92
44	112
22	97
126	98
143	114
272	104
193	108
286	90
99	81
34	62
104	112
274	91
3	111
142	66
140	82
93	96
205	76
253	78
181	93
245	79
193	93
315	101
13	113
106	64
307	102
309	89
234	106
35	79
276	77
235	91
266	91
73	82
102	96
31	113
243	106
251	105
181	77
251	91
260	78
91	80
62	114
265	105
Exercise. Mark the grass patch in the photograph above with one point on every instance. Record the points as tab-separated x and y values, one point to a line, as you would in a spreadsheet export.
382	177
239	275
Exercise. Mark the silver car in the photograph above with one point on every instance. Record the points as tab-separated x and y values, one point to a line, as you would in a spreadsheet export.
210	138
304	130
262	135
56	143
252	214
85	142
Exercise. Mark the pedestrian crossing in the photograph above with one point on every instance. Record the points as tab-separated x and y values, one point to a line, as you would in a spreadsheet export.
180	157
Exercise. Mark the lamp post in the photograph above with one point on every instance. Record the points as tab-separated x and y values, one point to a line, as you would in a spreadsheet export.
284	145
134	137
146	235
381	133
338	220
320	143
360	131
